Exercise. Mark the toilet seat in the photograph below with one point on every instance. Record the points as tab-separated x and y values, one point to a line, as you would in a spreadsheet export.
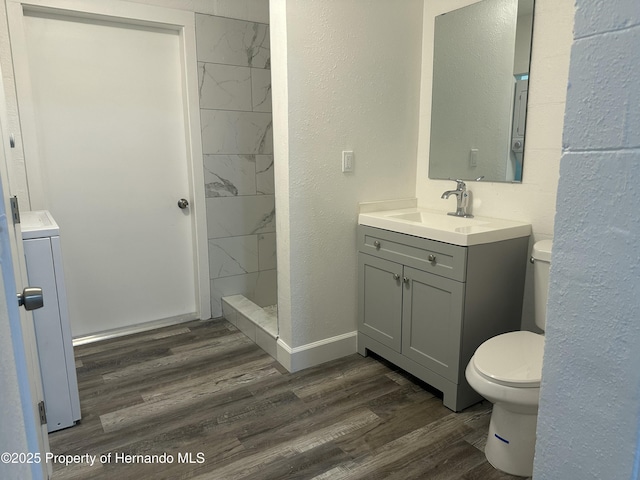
512	359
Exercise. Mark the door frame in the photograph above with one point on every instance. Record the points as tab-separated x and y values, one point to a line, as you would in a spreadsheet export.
182	22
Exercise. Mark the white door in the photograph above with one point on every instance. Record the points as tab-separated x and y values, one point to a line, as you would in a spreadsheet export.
20	378
113	160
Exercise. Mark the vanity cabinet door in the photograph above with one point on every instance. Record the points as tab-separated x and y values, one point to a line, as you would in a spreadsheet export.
432	321
380	300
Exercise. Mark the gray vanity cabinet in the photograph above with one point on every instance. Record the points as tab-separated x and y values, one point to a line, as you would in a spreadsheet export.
432	321
381	300
426	305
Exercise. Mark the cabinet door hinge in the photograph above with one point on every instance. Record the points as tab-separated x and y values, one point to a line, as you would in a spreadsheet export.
15	209
43	413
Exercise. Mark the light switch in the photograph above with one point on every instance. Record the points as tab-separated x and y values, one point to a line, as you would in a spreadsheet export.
473	157
347	161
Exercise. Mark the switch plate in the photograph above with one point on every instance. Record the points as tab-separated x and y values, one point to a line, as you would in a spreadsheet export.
473	157
347	161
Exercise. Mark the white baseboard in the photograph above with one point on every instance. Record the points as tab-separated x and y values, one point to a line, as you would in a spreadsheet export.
312	354
131	329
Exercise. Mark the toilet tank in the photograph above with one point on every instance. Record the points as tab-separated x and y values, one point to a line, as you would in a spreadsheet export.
541	263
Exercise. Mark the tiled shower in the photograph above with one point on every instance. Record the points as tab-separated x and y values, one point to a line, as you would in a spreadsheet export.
235	109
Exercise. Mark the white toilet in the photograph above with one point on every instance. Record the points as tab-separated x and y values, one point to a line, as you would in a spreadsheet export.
506	370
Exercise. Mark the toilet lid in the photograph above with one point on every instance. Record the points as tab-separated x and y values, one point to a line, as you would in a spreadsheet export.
513	359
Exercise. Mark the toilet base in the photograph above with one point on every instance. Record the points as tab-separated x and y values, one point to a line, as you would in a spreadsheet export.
511	441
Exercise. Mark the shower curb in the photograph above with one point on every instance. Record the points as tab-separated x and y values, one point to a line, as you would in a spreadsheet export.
252	320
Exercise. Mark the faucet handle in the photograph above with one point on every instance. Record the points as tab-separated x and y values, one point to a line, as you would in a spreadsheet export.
460	185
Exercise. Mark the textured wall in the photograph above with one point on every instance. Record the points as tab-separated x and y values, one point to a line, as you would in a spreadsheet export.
533	200
590	396
353	72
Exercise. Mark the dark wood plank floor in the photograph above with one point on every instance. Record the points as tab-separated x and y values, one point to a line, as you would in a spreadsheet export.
218	407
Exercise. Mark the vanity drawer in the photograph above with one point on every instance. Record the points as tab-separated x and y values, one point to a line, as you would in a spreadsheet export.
430	256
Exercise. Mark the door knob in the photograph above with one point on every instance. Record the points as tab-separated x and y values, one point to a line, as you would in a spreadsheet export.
183	203
30	298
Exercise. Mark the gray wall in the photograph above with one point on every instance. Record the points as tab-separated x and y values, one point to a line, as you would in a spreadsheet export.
590	398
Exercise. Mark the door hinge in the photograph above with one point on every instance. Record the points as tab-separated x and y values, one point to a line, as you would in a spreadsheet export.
43	413
15	209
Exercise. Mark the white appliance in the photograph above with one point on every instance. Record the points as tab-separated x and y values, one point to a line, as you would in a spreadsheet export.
41	239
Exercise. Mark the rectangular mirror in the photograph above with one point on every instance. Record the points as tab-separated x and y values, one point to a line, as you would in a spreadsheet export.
479	99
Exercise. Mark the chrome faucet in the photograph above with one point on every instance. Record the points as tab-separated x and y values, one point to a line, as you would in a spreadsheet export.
462	197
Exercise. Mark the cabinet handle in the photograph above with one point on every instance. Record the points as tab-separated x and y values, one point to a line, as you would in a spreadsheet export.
432	258
396	276
405	279
376	244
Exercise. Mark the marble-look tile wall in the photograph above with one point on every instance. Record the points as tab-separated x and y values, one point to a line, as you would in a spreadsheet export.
235	109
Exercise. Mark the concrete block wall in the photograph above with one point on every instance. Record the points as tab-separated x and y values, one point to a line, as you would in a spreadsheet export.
589	414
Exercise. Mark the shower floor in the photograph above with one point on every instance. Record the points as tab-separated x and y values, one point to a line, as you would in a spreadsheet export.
258	323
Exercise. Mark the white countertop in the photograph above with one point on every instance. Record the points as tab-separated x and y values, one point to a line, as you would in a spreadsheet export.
38	224
434	225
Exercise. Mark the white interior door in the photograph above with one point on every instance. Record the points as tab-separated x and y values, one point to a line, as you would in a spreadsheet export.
20	372
115	153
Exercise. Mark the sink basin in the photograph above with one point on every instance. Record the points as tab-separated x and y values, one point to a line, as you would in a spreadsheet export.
437	219
409	217
439	226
